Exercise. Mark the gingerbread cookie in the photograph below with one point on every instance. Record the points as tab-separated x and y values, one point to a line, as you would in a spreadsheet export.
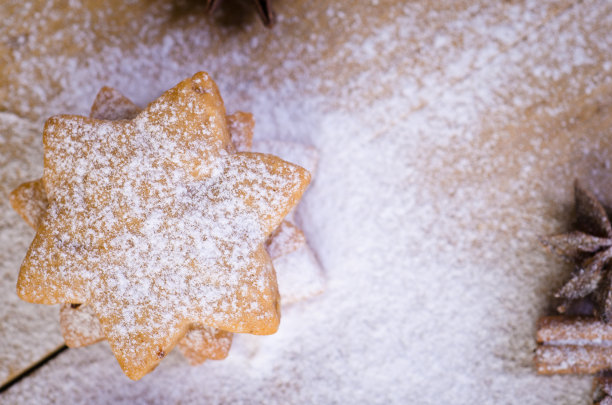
157	224
79	324
30	201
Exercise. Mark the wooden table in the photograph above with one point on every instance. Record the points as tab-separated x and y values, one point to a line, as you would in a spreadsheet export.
486	110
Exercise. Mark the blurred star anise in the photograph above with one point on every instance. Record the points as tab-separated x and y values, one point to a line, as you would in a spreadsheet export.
589	247
264	9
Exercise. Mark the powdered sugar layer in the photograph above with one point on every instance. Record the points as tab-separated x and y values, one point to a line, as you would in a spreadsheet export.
436	175
27	331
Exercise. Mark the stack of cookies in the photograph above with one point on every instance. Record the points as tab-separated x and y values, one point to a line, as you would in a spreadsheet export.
159	227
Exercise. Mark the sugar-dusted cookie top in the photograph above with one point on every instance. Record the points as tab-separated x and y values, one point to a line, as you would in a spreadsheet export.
300	278
157	223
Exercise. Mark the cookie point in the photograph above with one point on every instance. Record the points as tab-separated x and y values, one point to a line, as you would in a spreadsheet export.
202	83
22	292
14	196
307	175
51	123
134	373
133	376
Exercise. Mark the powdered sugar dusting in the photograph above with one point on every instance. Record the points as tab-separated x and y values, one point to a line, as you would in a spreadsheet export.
26	333
449	134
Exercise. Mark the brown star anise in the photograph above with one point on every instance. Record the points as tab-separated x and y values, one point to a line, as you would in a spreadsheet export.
589	247
264	9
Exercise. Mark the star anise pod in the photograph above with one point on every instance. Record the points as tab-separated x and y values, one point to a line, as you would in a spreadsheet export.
603	388
264	9
589	247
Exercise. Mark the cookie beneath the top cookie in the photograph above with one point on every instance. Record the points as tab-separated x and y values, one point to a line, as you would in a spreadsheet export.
203	343
30	201
158	224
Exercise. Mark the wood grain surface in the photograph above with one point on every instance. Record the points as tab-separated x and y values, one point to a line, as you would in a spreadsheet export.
499	106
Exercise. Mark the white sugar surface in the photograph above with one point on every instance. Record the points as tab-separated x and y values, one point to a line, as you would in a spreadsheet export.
424	211
25	332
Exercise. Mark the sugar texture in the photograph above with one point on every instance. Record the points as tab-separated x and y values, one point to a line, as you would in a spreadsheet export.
448	142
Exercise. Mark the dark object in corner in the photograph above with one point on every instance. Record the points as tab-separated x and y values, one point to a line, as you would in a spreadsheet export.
264	9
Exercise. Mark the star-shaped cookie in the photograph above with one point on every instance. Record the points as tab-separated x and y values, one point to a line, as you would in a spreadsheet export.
299	271
296	267
157	224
